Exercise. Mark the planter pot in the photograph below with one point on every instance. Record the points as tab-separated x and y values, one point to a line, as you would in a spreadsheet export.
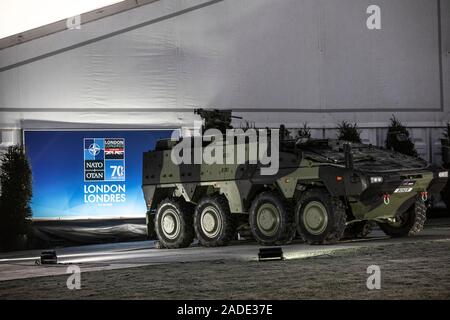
445	145
445	194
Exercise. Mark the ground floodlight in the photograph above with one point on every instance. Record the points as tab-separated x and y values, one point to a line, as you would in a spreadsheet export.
268	254
49	257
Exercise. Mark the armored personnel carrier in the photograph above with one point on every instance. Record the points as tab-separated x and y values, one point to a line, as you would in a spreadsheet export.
323	190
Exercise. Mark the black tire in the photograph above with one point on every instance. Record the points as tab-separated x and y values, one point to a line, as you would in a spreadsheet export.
279	232
358	230
411	222
178	212
331	226
214	224
151	231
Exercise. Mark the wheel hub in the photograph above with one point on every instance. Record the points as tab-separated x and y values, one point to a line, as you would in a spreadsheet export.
397	222
315	217
268	219
211	223
170	224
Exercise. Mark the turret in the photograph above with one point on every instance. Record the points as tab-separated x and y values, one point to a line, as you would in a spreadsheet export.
216	119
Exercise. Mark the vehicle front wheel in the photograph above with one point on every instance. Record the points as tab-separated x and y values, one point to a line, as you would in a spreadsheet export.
320	217
173	223
409	223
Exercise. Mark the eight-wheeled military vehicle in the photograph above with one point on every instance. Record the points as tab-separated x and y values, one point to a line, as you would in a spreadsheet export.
324	190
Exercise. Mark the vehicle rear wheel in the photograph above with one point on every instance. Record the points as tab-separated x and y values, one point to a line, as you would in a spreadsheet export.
320	218
409	223
173	223
358	230
214	224
272	219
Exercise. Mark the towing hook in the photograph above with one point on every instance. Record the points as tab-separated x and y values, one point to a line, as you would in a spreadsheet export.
424	196
386	199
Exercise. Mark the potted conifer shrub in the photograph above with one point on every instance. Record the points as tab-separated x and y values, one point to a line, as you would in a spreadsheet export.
349	132
398	139
304	132
445	145
15	198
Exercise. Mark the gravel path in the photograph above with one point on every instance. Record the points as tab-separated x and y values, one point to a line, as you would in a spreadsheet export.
419	270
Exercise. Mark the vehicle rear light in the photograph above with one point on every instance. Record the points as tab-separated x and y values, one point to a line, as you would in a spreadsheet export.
443	174
376	179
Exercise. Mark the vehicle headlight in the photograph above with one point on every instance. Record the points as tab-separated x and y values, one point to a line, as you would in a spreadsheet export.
376	179
443	174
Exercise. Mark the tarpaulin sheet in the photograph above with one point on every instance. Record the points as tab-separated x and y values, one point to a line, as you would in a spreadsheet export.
90	231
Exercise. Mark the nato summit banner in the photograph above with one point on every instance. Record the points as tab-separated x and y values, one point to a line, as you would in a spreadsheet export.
88	174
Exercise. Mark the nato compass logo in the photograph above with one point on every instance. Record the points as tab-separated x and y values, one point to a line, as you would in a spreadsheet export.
94	149
104	159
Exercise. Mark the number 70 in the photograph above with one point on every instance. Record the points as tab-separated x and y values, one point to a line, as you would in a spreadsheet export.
117	171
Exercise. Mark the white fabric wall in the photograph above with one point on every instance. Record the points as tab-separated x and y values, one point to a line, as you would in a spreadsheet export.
290	61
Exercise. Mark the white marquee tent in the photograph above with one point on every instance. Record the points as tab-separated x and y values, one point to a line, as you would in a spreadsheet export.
284	61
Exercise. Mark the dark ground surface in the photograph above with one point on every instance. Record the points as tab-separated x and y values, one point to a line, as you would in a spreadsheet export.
418	270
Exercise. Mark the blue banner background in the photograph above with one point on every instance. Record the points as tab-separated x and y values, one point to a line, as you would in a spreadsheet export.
57	164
